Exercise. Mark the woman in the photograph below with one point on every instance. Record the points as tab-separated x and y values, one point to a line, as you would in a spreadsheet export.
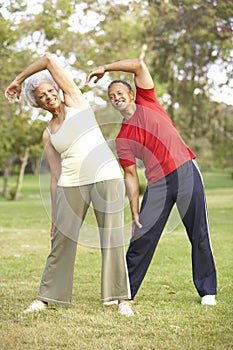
83	170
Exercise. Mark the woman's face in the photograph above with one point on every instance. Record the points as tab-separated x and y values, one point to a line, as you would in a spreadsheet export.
47	97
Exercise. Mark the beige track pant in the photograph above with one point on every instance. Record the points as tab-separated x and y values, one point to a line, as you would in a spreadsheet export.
107	198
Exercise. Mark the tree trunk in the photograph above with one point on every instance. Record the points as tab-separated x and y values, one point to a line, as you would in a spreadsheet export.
7	173
36	161
24	161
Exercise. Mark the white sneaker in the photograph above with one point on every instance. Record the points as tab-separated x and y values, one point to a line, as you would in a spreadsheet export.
208	300
107	303
125	309
36	305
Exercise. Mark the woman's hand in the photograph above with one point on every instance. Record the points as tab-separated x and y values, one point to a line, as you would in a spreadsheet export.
97	72
13	89
52	231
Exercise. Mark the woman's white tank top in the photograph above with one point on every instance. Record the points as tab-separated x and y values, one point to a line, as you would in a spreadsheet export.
85	155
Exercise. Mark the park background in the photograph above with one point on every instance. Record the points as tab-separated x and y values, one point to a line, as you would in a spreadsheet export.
188	48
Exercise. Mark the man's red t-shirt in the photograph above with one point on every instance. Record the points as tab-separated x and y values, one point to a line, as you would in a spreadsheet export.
150	135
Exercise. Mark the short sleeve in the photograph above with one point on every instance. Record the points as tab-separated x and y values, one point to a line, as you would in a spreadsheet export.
124	152
145	96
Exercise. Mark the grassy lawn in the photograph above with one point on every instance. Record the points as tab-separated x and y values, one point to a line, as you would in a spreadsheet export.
168	314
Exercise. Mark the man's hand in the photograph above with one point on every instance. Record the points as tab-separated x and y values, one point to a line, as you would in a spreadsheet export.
136	223
13	89
97	72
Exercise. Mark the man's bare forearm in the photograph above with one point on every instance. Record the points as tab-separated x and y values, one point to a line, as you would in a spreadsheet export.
128	65
132	190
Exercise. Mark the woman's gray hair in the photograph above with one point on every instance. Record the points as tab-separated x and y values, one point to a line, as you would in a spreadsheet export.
34	81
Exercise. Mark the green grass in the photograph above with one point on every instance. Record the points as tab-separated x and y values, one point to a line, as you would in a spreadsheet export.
168	314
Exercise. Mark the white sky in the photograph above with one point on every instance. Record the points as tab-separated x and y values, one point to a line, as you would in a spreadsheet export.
218	76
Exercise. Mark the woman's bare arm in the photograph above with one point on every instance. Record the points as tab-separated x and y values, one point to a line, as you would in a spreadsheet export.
54	160
73	97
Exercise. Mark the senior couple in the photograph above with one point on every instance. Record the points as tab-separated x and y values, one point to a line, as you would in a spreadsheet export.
84	170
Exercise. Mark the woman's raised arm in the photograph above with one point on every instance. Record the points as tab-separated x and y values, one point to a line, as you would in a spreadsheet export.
73	97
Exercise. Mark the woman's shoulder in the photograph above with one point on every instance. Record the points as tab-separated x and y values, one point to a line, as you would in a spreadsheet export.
76	101
70	111
46	135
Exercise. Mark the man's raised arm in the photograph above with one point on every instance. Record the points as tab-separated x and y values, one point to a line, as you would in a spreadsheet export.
137	66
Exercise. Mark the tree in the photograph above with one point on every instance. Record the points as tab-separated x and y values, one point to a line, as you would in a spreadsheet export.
186	37
183	39
17	134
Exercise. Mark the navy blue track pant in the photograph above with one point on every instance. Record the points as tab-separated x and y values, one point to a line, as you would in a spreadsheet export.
185	188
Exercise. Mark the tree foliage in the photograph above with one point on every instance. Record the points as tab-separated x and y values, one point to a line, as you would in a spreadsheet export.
180	40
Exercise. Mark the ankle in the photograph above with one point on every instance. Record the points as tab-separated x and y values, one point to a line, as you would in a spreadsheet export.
123	301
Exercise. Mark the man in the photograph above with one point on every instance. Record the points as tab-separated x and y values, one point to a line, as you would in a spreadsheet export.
147	133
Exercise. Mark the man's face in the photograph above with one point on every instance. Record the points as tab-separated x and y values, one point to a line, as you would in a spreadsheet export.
120	96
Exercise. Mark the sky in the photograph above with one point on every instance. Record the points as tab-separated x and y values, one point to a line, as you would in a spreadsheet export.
223	91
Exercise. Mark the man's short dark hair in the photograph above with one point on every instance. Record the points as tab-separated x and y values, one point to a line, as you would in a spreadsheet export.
122	82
